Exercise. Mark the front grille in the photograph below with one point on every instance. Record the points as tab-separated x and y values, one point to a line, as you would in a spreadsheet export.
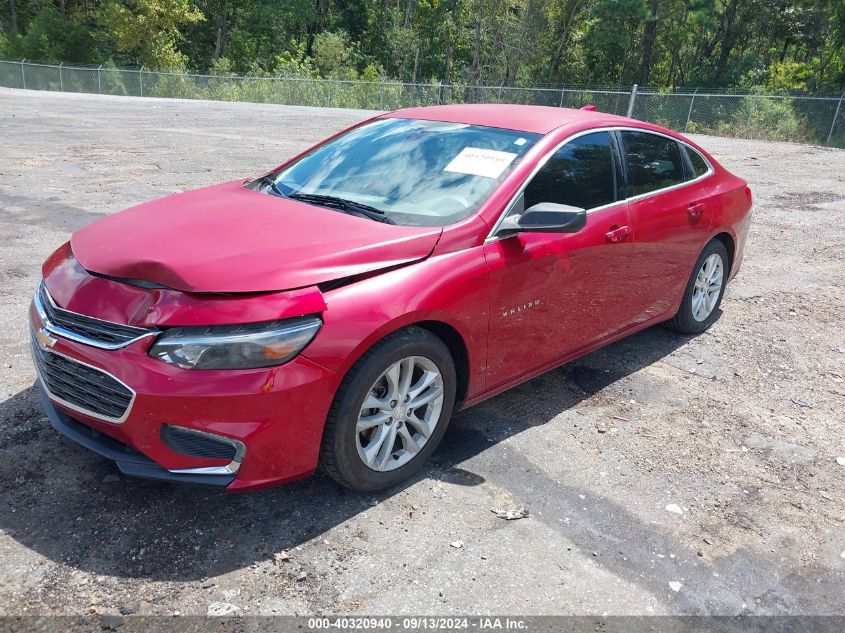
83	328
196	443
81	387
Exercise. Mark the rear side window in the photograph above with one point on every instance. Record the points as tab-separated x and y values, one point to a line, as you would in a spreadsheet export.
580	174
699	165
654	162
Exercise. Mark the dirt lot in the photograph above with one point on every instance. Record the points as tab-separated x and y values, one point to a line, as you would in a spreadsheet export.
738	430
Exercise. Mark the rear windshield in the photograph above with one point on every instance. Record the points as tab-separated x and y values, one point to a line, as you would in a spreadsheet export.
420	173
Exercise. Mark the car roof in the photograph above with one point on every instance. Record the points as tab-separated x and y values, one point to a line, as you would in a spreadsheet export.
524	118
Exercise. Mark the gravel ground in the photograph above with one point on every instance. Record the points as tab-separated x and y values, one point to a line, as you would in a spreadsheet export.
662	474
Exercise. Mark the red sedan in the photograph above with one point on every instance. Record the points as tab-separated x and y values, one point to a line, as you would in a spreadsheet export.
336	311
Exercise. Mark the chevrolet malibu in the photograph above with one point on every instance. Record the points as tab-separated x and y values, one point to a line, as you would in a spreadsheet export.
337	310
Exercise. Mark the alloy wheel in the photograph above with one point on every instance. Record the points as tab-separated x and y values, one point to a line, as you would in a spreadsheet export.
399	413
708	286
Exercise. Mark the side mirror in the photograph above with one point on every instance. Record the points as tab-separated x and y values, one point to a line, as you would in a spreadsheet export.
545	217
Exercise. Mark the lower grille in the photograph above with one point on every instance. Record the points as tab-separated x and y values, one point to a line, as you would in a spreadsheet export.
196	443
82	387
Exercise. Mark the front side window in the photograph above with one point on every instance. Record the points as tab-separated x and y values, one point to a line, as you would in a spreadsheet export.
579	174
654	162
419	173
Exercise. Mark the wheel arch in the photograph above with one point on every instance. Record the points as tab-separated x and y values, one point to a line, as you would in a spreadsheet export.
449	333
726	236
730	245
457	348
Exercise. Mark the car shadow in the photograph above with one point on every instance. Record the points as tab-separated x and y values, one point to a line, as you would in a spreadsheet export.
66	503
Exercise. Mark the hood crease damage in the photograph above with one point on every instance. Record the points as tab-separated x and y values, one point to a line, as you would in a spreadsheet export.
277	245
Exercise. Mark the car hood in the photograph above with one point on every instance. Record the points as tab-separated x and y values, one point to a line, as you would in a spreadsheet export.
229	239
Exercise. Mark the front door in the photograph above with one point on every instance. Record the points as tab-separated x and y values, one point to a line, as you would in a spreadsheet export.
554	293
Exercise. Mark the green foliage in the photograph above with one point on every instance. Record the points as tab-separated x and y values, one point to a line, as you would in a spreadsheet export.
295	63
112	80
611	37
790	76
221	67
53	39
148	29
333	55
371	73
781	45
8	46
403	54
765	119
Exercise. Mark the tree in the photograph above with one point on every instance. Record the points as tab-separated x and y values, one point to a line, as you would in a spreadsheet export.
778	45
149	30
564	19
611	39
333	55
649	36
51	38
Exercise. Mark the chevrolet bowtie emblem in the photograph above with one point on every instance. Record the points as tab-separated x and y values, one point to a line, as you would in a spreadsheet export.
45	341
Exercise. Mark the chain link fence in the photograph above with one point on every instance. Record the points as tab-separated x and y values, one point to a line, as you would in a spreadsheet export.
806	119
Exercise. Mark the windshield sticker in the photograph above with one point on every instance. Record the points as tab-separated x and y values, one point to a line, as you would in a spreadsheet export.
475	161
520	141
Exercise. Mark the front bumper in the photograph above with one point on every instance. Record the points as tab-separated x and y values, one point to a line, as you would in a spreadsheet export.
275	414
129	461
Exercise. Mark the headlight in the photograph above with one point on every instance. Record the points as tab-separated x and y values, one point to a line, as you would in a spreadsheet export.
235	346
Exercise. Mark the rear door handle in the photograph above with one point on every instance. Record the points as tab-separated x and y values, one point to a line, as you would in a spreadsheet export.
618	234
695	209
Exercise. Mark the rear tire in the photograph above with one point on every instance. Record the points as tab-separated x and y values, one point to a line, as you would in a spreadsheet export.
703	295
408	380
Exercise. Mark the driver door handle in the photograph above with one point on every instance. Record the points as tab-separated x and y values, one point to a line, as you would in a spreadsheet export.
618	234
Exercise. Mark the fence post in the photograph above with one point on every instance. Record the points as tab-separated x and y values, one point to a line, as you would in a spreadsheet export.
751	111
61	81
141	79
689	114
23	74
560	105
381	95
631	100
99	85
835	116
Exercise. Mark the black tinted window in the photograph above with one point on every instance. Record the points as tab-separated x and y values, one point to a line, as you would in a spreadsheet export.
654	161
579	174
699	165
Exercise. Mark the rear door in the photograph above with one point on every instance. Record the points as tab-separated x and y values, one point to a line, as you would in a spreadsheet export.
671	211
553	293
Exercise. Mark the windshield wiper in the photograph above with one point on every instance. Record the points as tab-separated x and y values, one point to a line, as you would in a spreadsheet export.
349	206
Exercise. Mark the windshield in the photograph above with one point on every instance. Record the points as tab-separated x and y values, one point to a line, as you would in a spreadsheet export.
419	173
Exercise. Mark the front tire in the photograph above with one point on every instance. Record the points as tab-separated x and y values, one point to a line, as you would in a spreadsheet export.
390	411
705	288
